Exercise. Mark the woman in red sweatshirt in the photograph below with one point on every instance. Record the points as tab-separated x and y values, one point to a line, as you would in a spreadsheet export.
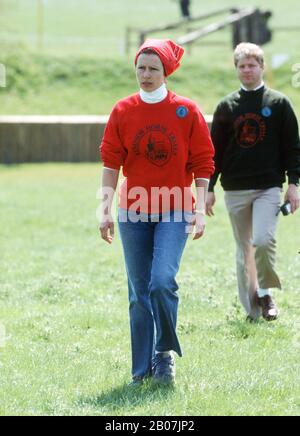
163	143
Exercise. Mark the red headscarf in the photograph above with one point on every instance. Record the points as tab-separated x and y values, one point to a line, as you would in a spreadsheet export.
168	51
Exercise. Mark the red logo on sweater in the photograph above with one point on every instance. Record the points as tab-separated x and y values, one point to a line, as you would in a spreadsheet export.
156	144
250	129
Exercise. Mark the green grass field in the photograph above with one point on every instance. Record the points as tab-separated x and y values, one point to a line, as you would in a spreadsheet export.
63	292
82	68
98	27
63	302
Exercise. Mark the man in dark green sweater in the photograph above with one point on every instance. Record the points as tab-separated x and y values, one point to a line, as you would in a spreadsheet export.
256	137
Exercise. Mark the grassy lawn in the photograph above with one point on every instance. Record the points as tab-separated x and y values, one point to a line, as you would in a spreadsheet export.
63	293
63	302
82	68
97	28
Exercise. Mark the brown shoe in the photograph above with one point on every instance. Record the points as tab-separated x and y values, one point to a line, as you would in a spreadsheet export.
269	309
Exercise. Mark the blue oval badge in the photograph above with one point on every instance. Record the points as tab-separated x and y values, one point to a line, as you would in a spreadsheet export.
182	111
267	112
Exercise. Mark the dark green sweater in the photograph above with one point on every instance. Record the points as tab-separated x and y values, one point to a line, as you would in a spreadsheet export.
256	138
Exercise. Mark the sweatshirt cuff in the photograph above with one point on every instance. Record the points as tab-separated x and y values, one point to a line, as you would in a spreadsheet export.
202	178
110	166
201	175
110	169
213	181
293	179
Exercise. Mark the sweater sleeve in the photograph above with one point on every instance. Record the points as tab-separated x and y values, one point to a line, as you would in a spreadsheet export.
112	151
201	150
219	134
291	143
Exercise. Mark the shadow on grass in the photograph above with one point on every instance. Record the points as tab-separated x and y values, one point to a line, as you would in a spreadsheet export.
125	396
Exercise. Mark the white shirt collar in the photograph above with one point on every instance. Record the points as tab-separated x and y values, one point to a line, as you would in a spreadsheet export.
155	96
255	89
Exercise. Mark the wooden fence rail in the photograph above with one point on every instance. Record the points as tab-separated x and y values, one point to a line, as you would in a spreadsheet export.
247	24
214	27
51	138
143	34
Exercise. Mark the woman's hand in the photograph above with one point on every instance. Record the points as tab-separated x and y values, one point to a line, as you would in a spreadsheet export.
107	230
109	184
199	224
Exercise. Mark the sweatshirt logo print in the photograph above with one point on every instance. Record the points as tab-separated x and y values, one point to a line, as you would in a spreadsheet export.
249	130
156	143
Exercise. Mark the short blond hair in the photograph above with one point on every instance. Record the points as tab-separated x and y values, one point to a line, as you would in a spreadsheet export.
248	50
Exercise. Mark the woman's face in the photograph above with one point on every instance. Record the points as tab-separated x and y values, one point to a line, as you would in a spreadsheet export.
150	72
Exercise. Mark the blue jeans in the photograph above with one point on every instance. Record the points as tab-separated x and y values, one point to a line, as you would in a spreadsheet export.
153	251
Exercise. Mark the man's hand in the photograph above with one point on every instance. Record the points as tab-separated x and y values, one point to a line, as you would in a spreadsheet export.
109	185
292	195
199	224
210	202
107	230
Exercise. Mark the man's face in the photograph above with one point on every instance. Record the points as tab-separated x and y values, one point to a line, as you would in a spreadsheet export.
250	72
150	72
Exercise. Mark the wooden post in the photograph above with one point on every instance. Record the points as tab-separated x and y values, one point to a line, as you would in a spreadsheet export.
142	38
40	24
128	40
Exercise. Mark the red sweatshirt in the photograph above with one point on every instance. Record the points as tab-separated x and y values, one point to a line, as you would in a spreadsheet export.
163	145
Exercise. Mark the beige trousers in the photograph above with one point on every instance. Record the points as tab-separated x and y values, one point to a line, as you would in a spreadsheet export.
254	216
